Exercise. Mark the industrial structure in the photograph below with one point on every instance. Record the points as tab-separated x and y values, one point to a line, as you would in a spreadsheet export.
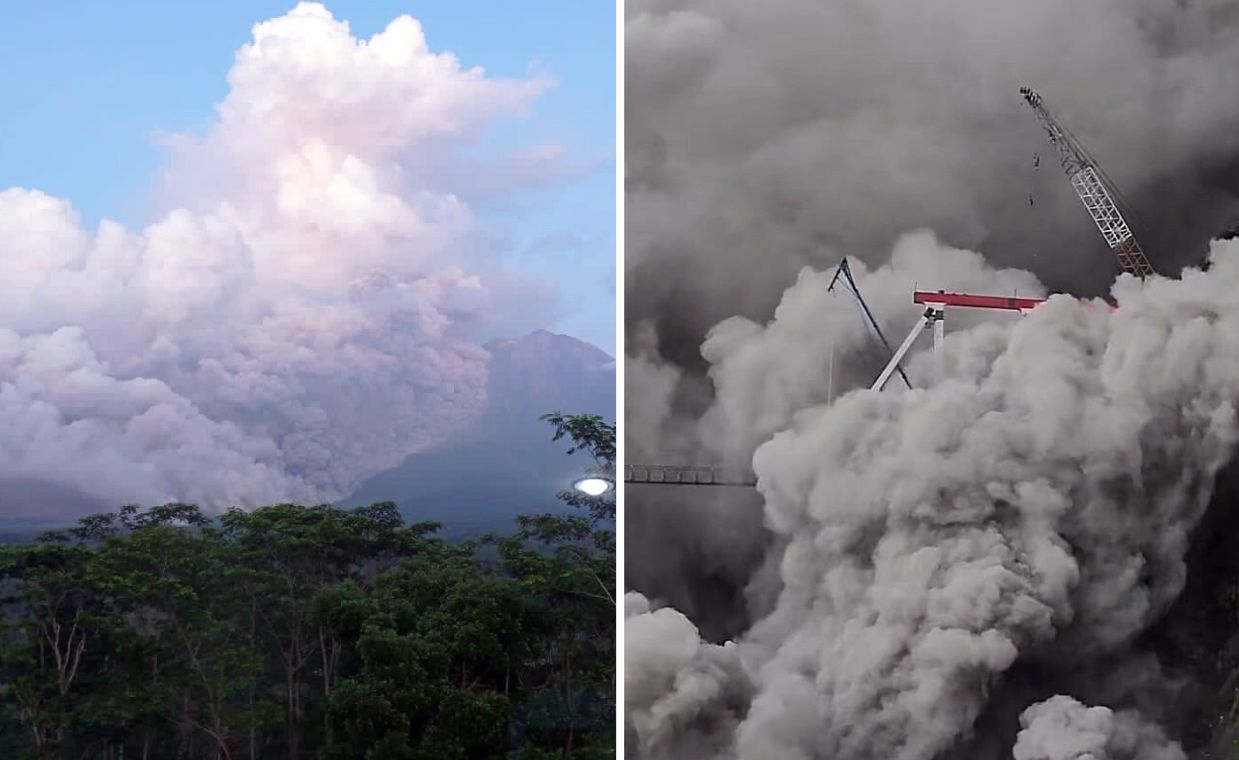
684	475
1100	197
845	272
935	316
1096	191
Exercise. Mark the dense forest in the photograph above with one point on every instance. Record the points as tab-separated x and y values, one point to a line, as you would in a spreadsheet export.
313	632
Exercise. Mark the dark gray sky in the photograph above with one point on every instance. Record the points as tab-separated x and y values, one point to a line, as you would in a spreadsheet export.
764	136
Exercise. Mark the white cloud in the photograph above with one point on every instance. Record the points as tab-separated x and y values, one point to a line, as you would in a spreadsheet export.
299	317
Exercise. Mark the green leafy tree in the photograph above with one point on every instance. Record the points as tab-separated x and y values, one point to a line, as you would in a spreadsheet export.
567	562
299	632
43	646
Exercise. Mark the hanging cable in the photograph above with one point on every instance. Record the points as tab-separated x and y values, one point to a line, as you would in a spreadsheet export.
846	272
830	376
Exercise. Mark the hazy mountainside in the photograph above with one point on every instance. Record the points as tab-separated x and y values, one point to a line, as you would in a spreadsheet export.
505	463
502	465
29	506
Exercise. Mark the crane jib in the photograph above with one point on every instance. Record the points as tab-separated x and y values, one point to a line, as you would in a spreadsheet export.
1090	185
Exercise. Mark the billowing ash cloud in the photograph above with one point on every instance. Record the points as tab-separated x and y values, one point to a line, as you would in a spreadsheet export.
687	547
762	138
1027	505
765	136
1063	729
680	693
301	317
921	567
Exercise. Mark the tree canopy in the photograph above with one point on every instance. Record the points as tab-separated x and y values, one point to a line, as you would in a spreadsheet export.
313	631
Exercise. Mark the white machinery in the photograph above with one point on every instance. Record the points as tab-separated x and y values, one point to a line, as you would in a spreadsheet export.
1095	189
935	316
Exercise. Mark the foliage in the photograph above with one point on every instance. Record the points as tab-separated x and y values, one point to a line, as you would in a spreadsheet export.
299	632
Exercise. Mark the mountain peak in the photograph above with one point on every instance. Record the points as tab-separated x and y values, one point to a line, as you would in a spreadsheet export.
544	345
545	372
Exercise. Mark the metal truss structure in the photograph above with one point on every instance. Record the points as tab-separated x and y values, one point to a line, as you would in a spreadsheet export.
1094	190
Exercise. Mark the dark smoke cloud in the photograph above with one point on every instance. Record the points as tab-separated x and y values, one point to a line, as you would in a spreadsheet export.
1025	510
765	141
762	137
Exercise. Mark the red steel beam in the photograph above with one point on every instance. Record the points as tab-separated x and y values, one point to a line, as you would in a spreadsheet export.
1011	303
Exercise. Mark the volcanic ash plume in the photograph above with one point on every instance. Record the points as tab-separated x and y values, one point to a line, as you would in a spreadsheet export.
1063	729
1028	503
817	346
955	551
679	691
763	137
303	314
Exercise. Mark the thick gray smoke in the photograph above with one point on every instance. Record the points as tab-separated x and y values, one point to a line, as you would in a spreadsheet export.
304	314
684	695
767	138
1063	729
689	548
764	137
1029	503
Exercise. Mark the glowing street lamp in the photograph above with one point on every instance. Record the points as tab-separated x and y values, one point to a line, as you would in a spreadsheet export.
592	486
595	482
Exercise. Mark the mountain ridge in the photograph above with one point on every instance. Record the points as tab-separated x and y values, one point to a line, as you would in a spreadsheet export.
505	462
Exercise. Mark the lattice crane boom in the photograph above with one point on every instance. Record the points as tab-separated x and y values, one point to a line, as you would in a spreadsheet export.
683	475
1090	186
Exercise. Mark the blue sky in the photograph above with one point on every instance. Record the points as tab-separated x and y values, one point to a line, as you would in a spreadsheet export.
88	86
